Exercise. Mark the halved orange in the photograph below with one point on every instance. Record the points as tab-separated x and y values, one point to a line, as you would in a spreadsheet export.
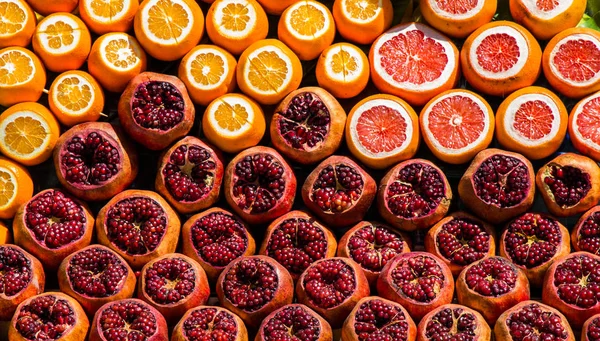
545	18
457	18
236	24
168	29
343	70
584	126
362	21
115	59
276	7
22	76
456	125
108	16
75	97
45	7
17	23
16	187
5	234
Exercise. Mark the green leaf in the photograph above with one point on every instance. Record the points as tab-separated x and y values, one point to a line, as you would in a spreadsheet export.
589	22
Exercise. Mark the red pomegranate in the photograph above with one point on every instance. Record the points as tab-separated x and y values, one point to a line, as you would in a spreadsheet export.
585	236
591	329
454	322
294	322
532	318
210	323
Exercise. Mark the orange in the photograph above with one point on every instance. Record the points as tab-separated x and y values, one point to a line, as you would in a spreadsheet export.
22	76
414	62
343	70
276	7
236	24
47	7
307	27
208	72
16	187
62	41
501	57
5	234
75	97
584	126
17	23
268	70
382	130
532	121
233	122
115	59
545	18
168	29
456	125
457	18
103	16
362	21
571	62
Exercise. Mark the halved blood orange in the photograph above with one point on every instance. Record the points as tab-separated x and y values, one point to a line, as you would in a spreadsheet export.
414	62
546	18
382	130
584	126
532	121
501	57
456	125
457	18
571	62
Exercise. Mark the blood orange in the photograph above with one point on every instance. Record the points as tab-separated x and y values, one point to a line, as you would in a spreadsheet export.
545	18
457	18
584	126
456	125
414	62
382	130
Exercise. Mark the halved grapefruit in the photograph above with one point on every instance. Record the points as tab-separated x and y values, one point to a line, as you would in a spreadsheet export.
457	18
584	126
546	18
456	125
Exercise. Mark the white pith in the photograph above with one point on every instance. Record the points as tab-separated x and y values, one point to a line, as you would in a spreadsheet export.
351	77
531	6
511	110
440	12
148	4
43	27
231	100
516	68
113	17
124	51
20	5
82	82
280	54
218	19
11	68
578	36
34	116
348	15
192	58
318	6
578	109
12	180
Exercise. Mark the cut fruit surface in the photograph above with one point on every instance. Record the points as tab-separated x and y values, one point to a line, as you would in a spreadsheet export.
108	16
584	126
75	97
457	18
22	76
17	23
16	187
343	70
362	21
546	18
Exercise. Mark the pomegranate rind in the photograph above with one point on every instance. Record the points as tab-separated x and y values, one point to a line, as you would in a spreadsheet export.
179	333
545	24
576	232
586	327
457	25
586	145
324	329
482	331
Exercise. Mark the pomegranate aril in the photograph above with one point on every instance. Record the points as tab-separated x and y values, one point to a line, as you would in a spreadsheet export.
532	319
532	239
588	238
210	324
157	105
491	277
291	323
452	324
568	184
337	188
260	183
577	280
96	272
463	241
418	278
127	320
250	284
502	181
374	245
219	238
190	173
15	271
593	330
45	318
305	122
328	283
90	159
169	280
376	319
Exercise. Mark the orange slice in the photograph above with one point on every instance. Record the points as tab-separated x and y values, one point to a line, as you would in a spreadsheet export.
457	18
17	23
236	24
233	122
362	21
584	126
276	7
546	18
45	7
343	70
103	16
16	187
168	29
115	59
456	125
22	76
5	234
75	97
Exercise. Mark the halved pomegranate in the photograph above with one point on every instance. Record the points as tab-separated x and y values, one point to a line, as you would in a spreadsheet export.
295	322
498	185
155	110
52	225
308	125
214	238
21	277
94	161
374	318
95	276
210	323
296	240
570	184
454	322
332	287
339	191
139	225
530	320
253	287
461	239
533	241
372	245
415	194
591	329
419	281
49	316
585	236
189	175
492	285
259	185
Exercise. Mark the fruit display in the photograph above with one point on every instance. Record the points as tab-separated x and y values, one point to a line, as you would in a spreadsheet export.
286	170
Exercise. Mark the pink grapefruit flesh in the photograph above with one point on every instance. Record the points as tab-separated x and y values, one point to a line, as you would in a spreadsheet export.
456	122
381	129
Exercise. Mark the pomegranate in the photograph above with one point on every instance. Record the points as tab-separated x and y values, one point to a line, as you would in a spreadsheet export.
591	329
295	322
253	287
461	239
21	277
492	285
259	185
128	319
94	276
332	287
585	236
139	225
94	161
374	318
308	125
49	316
419	281
189	175
533	241
52	225
372	245
296	240
570	184
210	323
173	284
498	185
214	238
530	320
415	194
155	110
339	191
454	322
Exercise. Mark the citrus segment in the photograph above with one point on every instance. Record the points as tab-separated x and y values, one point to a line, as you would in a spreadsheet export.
343	70
16	188
22	76
45	7
17	23
362	21
457	18
584	126
546	18
75	97
276	7
103	16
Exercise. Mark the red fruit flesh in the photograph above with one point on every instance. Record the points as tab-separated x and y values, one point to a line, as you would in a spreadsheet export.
210	323
294	322
591	329
530	320
454	322
586	233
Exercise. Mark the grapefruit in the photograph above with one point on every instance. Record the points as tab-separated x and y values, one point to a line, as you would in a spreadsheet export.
457	18
584	126
546	18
